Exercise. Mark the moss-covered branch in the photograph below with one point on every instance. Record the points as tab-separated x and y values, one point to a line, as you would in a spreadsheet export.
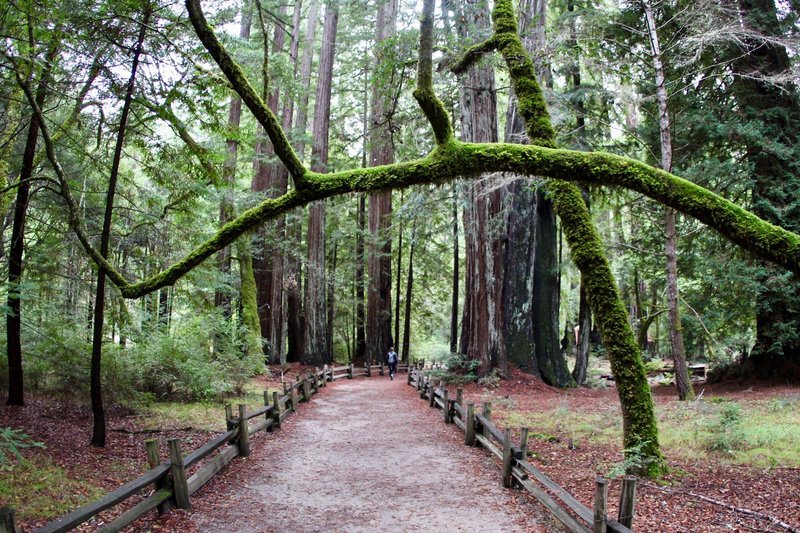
640	431
249	96
472	55
456	159
432	107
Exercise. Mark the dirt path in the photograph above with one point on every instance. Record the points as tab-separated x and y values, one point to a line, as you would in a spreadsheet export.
365	455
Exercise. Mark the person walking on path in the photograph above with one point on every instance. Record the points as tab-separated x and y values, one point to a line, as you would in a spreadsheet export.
391	358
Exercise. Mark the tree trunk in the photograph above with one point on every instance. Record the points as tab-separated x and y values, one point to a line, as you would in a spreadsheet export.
266	258
294	290
456	277
400	230
682	381
98	412
361	343
406	355
379	260
16	381
531	291
315	330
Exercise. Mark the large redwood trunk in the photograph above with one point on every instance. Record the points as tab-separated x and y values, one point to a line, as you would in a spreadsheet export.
482	334
531	257
315	341
294	231
379	261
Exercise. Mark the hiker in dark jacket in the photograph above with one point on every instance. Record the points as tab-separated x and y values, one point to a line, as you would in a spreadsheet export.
391	358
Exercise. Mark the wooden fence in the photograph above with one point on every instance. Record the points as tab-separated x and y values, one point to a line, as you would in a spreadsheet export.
479	430
168	482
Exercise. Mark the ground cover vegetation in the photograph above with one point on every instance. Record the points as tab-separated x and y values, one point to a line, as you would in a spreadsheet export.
178	145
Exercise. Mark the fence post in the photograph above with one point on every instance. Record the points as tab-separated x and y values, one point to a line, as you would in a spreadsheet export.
180	489
460	397
368	368
523	444
380	372
315	382
627	501
350	371
244	431
7	523
487	412
153	460
324	379
306	389
432	399
446	406
229	416
276	410
469	425
600	497
507	459
293	398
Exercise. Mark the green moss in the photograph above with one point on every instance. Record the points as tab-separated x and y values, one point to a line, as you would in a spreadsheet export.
249	298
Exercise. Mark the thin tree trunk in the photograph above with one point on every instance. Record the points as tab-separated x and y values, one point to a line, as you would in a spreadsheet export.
682	381
315	330
456	277
409	284
16	380
399	277
98	412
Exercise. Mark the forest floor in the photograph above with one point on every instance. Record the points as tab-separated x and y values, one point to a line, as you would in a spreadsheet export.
385	461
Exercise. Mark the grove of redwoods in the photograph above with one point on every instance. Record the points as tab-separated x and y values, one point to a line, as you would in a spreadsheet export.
178	145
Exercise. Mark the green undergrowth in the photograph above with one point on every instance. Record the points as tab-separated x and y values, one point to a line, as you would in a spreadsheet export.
759	433
204	416
37	488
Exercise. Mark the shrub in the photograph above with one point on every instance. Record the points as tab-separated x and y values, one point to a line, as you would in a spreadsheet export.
12	442
727	434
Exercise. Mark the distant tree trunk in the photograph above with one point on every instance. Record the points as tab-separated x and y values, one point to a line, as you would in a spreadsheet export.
682	381
399	277
483	311
222	296
379	261
409	284
16	381
294	290
249	298
361	342
98	412
315	319
330	302
456	277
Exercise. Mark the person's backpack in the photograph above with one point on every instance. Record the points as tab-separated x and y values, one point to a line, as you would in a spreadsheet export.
392	357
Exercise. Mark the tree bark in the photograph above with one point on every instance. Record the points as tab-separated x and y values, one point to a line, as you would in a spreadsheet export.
532	290
16	378
456	277
315	343
405	356
294	289
379	258
682	381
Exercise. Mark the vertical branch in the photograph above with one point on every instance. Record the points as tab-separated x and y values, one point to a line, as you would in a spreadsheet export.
432	107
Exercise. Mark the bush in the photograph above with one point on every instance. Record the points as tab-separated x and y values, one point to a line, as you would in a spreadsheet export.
727	434
12	442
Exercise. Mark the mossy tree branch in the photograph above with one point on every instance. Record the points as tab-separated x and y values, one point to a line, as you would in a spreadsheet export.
472	55
432	107
252	100
640	430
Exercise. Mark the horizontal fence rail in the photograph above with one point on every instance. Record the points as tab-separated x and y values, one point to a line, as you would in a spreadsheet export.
479	430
